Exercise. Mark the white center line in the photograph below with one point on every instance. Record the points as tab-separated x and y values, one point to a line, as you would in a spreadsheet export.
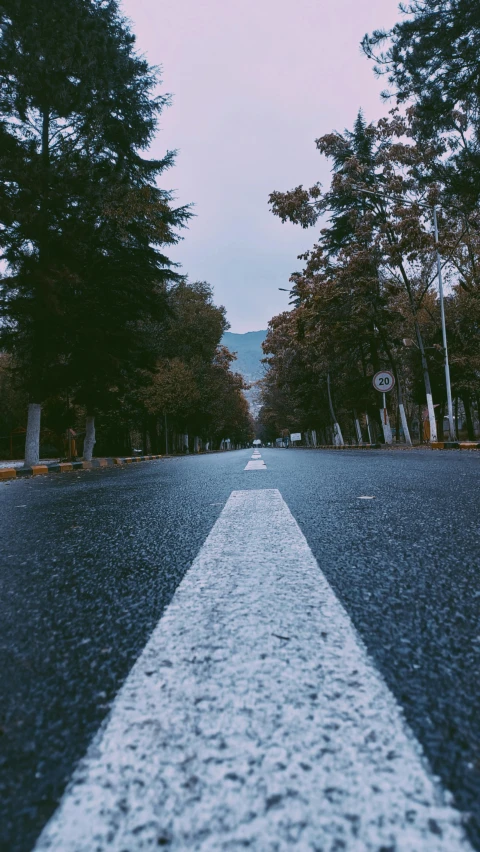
256	465
254	718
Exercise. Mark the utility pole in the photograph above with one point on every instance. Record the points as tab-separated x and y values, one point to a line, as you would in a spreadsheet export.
451	422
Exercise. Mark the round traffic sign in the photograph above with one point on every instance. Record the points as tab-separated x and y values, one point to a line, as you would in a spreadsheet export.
384	381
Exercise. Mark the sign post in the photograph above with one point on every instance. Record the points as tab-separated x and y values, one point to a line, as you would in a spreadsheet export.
384	382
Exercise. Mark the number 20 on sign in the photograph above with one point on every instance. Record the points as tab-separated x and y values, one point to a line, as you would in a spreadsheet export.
383	382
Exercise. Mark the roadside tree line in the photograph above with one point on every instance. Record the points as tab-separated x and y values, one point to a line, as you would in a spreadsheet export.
367	296
93	313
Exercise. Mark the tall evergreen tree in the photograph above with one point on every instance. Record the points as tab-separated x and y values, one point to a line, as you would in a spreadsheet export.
82	216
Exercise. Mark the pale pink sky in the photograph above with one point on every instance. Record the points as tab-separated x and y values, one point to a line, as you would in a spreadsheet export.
254	83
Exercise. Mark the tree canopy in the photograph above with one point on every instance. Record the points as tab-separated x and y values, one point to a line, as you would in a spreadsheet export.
367	296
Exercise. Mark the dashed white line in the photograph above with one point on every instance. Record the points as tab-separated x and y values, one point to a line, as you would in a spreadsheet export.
254	718
256	465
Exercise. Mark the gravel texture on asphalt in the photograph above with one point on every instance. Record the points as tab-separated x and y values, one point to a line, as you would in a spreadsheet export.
90	560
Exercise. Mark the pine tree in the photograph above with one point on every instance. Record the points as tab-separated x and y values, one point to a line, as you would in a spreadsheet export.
82	216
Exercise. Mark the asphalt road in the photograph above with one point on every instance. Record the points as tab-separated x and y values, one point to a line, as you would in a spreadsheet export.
90	560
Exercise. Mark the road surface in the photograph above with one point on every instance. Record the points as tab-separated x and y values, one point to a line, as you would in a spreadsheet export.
338	595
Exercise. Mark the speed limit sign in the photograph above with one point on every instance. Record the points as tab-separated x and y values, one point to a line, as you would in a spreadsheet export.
384	381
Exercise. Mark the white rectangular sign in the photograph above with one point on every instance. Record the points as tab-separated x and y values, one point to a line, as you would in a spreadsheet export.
296	436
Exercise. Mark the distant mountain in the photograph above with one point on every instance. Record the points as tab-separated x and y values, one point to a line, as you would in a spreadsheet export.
249	351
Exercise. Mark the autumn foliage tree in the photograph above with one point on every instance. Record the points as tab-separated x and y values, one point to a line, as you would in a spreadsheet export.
367	297
193	387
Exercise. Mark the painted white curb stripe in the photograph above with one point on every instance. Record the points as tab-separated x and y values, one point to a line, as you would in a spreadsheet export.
254	718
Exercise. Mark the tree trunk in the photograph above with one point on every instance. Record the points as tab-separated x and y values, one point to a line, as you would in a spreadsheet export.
337	435
428	387
468	417
89	442
369	428
401	408
337	432
314	437
387	430
358	428
418	333
32	438
153	433
431	417
196	444
403	418
440	418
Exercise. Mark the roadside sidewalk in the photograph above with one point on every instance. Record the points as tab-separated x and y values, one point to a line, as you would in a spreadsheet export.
436	445
16	471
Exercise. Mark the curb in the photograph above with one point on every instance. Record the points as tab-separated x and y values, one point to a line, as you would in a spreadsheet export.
340	447
66	467
435	445
455	445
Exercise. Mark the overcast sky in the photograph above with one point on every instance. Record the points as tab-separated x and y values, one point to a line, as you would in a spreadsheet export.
254	83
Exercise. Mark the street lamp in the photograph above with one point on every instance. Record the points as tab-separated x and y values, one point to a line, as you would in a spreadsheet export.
451	422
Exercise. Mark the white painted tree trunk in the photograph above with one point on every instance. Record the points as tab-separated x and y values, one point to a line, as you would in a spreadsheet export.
314	437
307	439
369	428
337	432
387	429
406	430
89	442
431	417
32	438
196	444
185	443
337	435
359	431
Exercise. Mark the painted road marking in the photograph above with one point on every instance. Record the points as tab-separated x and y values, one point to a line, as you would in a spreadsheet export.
254	717
255	465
